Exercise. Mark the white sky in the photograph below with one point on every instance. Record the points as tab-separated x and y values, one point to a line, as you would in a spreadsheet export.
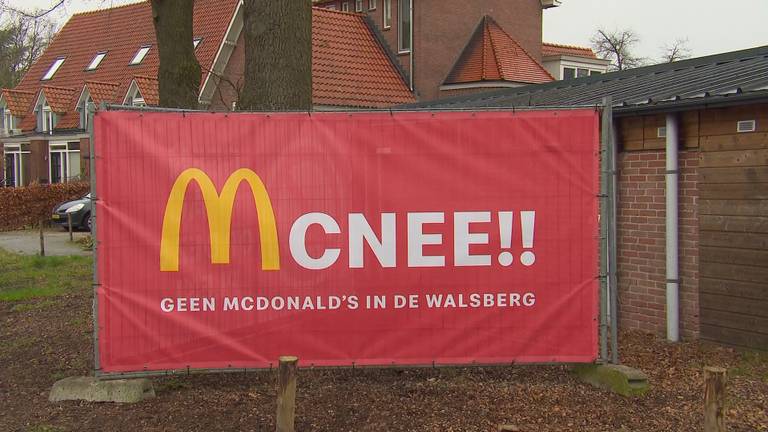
711	26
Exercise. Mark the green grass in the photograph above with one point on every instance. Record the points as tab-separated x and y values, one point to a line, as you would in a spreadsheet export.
752	364
26	277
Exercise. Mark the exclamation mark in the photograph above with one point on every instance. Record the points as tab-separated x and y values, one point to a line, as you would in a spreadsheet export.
505	233
527	222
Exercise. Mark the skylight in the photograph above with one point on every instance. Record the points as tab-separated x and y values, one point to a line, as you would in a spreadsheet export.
54	67
140	54
96	61
197	41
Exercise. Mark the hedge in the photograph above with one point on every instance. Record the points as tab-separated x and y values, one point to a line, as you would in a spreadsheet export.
24	206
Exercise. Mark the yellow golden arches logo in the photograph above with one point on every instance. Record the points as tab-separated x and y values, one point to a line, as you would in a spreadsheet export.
219	210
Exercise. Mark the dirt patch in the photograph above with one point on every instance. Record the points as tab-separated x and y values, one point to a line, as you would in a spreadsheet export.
46	339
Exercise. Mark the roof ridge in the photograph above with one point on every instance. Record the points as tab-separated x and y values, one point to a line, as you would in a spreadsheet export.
109	9
17	91
57	88
101	82
487	30
517	44
552	44
336	11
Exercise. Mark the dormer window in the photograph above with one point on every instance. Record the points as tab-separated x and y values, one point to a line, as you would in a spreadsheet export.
96	61
8	120
46	118
134	97
140	54
85	105
196	42
54	67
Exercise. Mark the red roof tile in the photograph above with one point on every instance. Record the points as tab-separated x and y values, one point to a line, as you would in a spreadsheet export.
18	102
349	66
492	55
28	123
550	49
148	89
102	91
121	31
70	120
60	98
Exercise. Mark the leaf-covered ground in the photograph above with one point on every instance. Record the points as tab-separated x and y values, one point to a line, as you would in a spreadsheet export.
45	335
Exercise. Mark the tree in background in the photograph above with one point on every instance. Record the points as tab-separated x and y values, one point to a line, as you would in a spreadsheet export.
23	38
278	55
179	72
618	47
676	51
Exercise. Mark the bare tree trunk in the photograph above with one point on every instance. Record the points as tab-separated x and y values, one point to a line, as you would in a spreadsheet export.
179	72
278	55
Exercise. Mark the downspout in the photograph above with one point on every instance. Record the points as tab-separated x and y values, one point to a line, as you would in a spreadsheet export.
673	282
413	46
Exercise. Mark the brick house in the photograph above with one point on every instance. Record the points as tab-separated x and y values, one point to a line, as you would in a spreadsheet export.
450	47
110	56
711	114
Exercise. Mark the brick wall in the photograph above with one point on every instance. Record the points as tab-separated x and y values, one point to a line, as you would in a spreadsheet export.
641	242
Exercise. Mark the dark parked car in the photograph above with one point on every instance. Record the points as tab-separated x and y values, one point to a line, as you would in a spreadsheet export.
80	209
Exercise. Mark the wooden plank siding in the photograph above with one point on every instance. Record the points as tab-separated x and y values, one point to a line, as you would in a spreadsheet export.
733	227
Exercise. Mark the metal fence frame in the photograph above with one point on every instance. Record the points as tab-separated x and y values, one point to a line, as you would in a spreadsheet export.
608	290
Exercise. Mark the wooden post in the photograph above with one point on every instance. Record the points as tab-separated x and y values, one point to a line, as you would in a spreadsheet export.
42	239
286	393
69	224
714	399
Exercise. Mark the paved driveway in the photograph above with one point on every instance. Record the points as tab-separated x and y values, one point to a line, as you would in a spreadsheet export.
28	242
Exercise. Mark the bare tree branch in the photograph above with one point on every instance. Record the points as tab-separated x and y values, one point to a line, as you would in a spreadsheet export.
617	46
39	13
677	51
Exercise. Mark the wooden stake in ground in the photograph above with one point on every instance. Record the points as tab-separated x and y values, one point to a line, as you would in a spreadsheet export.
714	399
286	393
42	239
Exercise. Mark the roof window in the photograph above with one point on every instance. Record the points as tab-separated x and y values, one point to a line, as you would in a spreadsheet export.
54	67
96	61
197	41
140	54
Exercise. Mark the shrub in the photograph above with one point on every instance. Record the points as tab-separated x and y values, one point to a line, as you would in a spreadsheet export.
25	206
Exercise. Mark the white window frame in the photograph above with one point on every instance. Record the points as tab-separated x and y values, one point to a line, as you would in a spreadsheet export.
358	5
345	6
140	55
84	107
8	121
387	15
372	5
53	69
62	147
18	162
47	125
97	59
401	27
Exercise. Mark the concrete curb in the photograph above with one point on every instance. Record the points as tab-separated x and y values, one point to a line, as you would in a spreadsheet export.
92	389
618	379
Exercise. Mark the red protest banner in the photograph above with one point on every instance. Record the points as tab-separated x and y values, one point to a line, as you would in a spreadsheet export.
370	238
